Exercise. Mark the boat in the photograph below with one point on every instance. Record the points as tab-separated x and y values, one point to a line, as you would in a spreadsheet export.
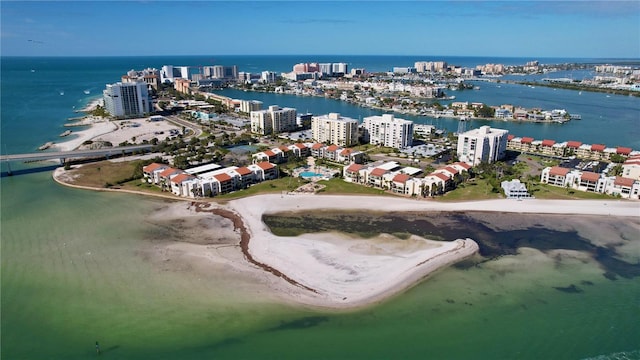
575	117
87	92
61	93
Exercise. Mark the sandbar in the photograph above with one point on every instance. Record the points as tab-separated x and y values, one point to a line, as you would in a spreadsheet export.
349	272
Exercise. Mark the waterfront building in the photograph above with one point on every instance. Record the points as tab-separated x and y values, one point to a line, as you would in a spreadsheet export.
631	168
273	120
485	144
306	68
224	72
149	76
514	189
127	99
334	129
386	130
268	77
326	69
339	69
247	106
620	186
404	70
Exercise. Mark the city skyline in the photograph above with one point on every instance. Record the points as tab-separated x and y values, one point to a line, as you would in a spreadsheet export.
579	29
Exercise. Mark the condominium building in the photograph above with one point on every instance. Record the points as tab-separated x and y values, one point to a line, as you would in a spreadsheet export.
247	106
388	131
334	129
273	120
127	99
224	72
485	144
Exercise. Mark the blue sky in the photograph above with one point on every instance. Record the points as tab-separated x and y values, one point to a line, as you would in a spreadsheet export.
582	29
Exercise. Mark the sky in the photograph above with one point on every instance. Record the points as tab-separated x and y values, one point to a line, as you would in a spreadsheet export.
576	29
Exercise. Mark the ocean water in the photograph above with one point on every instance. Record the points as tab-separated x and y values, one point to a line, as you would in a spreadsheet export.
75	267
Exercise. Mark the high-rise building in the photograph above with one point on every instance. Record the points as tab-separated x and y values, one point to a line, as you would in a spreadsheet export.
485	144
225	72
268	77
388	131
247	106
273	120
127	99
339	69
334	129
326	69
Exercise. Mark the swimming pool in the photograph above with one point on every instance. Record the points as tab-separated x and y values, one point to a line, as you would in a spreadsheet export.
309	174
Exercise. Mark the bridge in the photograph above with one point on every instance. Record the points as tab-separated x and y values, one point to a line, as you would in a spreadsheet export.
62	155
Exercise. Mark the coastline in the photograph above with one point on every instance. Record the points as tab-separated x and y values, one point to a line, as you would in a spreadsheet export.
342	272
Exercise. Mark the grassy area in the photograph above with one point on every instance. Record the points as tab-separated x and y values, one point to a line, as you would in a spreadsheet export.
270	186
544	191
103	173
339	186
476	189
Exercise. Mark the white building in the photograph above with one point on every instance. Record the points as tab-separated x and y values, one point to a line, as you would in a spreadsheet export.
514	189
247	106
388	131
485	144
334	129
268	77
273	120
127	99
339	68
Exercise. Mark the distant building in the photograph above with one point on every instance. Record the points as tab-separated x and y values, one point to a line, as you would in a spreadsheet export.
149	76
224	72
127	99
485	144
268	77
247	106
404	70
334	129
273	120
388	131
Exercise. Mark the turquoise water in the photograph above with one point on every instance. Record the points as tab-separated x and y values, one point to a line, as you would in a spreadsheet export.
79	266
309	174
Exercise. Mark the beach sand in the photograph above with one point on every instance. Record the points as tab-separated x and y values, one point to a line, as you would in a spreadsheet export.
135	131
351	272
332	270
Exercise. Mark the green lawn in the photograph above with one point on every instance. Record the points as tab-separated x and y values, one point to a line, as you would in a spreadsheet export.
477	189
339	186
270	186
544	191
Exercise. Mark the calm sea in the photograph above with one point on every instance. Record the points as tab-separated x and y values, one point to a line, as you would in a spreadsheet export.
74	270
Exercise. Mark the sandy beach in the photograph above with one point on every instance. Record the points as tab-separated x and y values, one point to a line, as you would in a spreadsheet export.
135	131
349	272
97	127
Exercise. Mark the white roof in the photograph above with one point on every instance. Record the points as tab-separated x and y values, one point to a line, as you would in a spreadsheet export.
409	170
203	168
389	165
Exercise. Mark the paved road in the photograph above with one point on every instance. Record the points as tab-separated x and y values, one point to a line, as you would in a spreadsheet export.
74	153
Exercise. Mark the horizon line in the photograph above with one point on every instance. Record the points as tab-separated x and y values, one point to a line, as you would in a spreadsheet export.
307	55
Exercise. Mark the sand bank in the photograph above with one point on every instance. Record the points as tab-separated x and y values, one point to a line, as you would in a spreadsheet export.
350	272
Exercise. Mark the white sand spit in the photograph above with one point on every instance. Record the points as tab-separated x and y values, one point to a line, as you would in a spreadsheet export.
348	272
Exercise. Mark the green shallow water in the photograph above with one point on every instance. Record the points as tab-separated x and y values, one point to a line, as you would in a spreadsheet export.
72	273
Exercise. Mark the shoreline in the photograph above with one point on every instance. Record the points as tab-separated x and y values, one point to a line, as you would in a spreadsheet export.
342	272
